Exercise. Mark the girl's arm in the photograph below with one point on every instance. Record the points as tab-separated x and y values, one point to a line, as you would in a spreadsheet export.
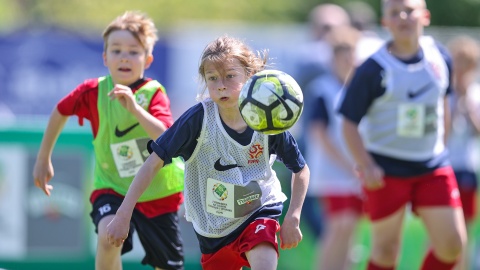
290	233
118	228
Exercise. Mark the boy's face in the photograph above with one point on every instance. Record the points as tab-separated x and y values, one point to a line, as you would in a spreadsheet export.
405	19
125	57
224	82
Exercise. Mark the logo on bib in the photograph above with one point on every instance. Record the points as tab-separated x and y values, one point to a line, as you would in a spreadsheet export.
220	191
254	153
219	167
422	90
120	133
124	152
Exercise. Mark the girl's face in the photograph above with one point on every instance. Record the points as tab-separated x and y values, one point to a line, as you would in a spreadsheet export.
405	19
125	57
224	82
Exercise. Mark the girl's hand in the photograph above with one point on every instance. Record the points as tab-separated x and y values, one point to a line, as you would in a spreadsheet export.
117	230
125	96
290	233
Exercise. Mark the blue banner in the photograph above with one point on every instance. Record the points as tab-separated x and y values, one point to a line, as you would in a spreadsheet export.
40	66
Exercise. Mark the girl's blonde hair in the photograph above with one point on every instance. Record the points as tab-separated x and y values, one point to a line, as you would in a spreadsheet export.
139	24
225	49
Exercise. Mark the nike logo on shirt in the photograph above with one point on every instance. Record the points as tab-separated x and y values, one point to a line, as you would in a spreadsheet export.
414	94
121	133
221	168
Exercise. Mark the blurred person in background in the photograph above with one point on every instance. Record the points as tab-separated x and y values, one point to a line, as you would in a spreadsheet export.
125	110
332	177
465	126
315	56
400	96
314	60
363	18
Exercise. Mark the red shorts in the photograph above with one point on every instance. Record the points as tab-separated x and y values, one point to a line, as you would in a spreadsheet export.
438	188
338	203
469	203
232	256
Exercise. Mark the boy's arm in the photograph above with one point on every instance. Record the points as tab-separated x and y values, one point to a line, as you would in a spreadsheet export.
367	170
446	119
290	233
118	228
43	169
152	125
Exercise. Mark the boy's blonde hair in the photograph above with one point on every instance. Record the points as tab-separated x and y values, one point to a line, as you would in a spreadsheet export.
466	48
227	48
139	24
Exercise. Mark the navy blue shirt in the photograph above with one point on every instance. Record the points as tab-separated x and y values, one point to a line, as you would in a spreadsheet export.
180	140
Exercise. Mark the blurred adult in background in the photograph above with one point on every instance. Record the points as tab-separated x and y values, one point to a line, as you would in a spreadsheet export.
332	176
363	18
314	56
465	126
314	60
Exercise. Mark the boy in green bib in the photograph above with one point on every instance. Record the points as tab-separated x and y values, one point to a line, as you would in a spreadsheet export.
125	111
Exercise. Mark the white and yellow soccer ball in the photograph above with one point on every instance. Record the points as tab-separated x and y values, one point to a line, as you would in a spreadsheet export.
271	102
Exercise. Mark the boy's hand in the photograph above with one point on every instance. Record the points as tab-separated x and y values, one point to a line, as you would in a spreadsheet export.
125	96
42	173
371	176
290	233
117	230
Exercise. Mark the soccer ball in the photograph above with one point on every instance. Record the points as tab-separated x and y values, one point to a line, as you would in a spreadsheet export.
271	102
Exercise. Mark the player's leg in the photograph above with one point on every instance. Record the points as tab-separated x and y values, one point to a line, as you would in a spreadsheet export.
446	229
386	237
342	215
258	243
262	257
437	202
103	210
108	257
386	209
161	240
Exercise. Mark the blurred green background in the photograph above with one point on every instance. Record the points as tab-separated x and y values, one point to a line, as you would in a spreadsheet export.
94	15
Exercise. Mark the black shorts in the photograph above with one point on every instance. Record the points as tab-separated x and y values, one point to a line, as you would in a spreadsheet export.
160	236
